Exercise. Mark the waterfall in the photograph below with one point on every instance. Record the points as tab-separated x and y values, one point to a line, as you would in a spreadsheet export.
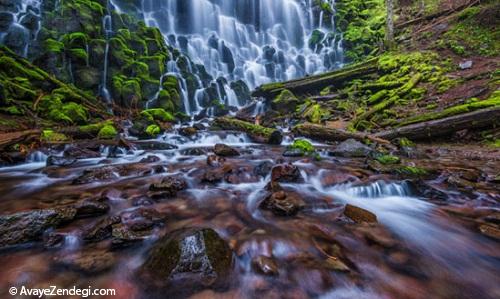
20	22
107	25
256	41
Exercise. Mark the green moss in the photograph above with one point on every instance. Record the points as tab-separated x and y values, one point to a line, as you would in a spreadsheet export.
411	171
388	159
302	145
158	114
76	112
492	101
107	132
49	136
153	130
405	142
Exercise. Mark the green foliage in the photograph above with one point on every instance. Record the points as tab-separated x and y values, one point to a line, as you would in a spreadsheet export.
158	114
49	136
388	159
302	145
411	171
153	130
108	131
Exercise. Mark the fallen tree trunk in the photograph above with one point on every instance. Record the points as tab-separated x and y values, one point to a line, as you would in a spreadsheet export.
7	139
323	133
442	127
318	82
255	132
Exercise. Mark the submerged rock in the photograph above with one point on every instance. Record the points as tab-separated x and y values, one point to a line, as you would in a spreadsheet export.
359	215
188	259
88	262
29	226
168	187
150	159
351	148
285	173
60	161
101	230
80	153
90	208
282	203
225	150
265	265
263	169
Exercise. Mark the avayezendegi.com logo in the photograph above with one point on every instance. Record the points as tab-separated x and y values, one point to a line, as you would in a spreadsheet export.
55	291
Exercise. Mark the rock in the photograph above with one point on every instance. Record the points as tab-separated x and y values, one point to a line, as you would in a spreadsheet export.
124	236
336	264
490	231
465	65
359	215
150	159
101	230
60	161
188	131
188	259
142	201
155	146
194	152
97	174
168	187
213	160
80	153
293	152
265	265
282	203
225	150
285	173
90	208
29	226
88	262
351	148
53	240
213	176
263	169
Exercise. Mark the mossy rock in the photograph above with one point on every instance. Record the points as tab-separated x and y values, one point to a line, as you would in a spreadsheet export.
286	102
49	136
107	132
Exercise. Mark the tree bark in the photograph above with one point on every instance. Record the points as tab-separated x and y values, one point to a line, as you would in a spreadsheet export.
443	127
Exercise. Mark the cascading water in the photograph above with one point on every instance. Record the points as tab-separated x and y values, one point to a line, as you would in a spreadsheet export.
108	31
19	24
256	41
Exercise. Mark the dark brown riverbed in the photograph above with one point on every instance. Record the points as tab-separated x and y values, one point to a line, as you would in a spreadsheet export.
435	237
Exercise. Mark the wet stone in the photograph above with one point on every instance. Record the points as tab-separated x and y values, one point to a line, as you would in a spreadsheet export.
351	148
87	262
285	173
359	215
168	187
263	169
188	259
194	152
60	161
150	159
282	203
90	208
81	153
29	226
101	230
265	265
225	150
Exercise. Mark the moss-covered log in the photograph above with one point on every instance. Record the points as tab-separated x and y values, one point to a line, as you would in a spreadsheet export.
446	126
257	133
318	82
323	133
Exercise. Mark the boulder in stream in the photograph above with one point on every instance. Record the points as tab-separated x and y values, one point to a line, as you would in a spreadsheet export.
283	203
29	226
351	148
168	187
225	150
60	161
285	173
359	215
187	260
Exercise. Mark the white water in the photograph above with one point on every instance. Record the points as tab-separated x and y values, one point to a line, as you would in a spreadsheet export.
25	25
257	41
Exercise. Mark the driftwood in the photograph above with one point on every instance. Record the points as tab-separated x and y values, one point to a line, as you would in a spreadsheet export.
318	82
442	127
323	133
255	132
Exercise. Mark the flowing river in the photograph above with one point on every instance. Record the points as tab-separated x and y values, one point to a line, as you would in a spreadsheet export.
416	250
